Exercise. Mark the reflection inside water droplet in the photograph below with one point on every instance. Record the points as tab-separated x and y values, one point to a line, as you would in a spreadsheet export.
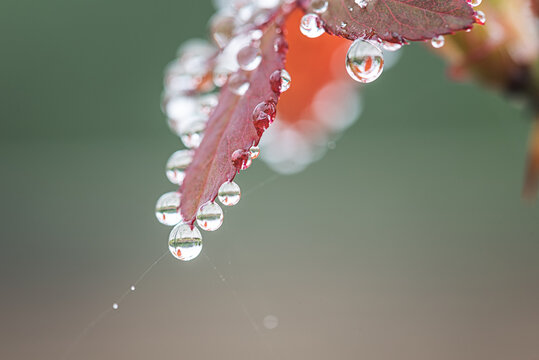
167	208
364	61
229	193
185	243
311	26
210	217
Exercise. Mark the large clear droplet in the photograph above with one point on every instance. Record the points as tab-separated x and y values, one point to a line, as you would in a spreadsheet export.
311	26
241	159
167	209
185	243
210	216
238	83
192	133
437	41
177	164
364	61
229	193
249	58
319	6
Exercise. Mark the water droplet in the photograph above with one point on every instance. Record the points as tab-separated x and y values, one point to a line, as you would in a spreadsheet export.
474	3
115	306
390	46
210	216
167	208
263	115
222	29
220	76
362	3
249	58
192	133
241	159
256	34
437	41
280	81
132	288
319	6
280	45
238	83
179	107
311	26
480	17
270	322
229	193
255	152
185	243
207	103
364	61
177	164
267	4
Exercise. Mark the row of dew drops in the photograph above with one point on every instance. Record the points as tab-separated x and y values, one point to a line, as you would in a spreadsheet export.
192	84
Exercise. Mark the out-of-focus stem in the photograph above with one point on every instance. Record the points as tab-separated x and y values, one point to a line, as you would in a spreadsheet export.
531	180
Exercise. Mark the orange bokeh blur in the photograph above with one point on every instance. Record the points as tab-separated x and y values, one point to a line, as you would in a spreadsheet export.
310	63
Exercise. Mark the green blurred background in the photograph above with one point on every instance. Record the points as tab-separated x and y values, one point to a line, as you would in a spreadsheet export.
408	241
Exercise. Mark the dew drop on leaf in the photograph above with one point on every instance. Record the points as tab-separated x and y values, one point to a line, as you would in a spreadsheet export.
280	46
362	3
249	58
185	243
238	83
220	76
319	6
222	29
364	61
241	159
229	193
311	26
480	17
389	46
256	34
437	41
167	208
207	103
177	164
474	3
255	152
210	216
263	115
192	133
280	81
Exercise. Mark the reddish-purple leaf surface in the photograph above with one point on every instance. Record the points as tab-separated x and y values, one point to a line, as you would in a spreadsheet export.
231	128
396	20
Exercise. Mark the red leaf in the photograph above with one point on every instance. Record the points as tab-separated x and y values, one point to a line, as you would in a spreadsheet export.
396	20
231	128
